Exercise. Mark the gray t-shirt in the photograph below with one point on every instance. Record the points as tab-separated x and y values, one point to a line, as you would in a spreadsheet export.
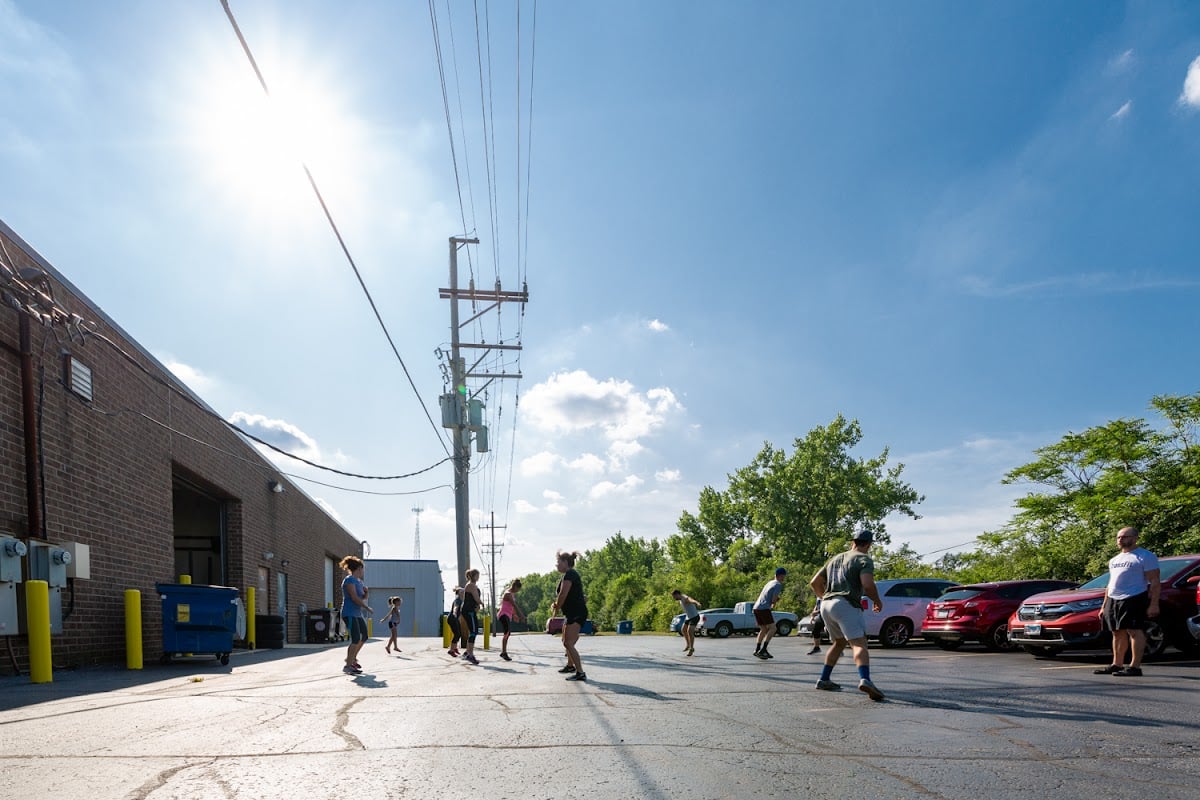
843	575
689	609
769	595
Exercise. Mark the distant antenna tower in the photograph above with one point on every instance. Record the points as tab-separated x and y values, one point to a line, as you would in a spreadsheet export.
417	536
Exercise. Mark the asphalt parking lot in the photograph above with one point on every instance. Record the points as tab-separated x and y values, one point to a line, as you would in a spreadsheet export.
650	722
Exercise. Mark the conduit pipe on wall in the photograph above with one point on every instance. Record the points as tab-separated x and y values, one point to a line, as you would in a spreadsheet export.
32	478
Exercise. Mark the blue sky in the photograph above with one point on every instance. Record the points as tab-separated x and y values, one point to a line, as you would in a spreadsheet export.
968	226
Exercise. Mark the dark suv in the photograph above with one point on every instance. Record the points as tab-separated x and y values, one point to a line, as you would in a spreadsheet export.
1047	624
979	612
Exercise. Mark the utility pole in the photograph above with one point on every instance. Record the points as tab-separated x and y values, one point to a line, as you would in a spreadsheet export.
459	412
492	550
417	536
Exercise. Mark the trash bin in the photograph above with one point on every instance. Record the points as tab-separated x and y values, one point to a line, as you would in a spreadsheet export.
588	628
319	625
197	619
625	626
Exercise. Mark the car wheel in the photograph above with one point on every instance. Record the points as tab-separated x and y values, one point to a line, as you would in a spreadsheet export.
1156	640
895	632
724	629
1039	651
783	628
948	644
997	639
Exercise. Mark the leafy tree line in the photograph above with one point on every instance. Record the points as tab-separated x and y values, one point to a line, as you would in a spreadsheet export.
796	510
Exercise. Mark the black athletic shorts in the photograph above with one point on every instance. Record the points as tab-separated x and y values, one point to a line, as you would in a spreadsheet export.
1128	614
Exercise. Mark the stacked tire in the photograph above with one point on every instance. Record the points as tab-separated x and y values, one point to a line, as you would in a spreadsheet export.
268	629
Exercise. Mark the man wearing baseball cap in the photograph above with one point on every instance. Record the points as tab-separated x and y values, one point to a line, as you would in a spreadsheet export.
763	614
841	584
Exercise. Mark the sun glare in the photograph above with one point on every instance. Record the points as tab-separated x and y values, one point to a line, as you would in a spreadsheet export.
253	146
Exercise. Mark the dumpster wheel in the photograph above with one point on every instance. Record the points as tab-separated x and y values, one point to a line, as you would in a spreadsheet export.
224	657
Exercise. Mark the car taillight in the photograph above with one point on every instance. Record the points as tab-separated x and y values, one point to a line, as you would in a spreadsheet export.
702	618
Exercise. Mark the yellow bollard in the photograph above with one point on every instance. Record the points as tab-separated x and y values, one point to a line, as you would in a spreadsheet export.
370	627
186	580
37	614
447	634
133	629
487	631
251	627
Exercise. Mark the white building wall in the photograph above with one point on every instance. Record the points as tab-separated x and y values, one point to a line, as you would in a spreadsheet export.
418	582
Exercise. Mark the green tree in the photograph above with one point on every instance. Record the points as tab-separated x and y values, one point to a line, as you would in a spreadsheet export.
800	508
1087	486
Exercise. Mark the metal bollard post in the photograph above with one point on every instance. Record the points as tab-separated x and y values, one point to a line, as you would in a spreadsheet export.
186	580
447	635
487	631
133	629
37	614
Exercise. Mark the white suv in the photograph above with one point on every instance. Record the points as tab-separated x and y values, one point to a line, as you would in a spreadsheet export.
904	602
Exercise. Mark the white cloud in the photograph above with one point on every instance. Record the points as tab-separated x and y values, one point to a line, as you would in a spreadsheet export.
556	508
200	383
551	495
619	453
571	402
329	509
1121	63
524	507
542	463
588	462
281	434
608	487
667	475
658	326
1191	85
1123	111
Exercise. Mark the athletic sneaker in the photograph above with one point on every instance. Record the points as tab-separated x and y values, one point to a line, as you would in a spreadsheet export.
691	650
452	653
1129	672
872	692
829	686
567	668
506	656
761	654
766	653
578	676
1109	670
350	669
471	658
815	649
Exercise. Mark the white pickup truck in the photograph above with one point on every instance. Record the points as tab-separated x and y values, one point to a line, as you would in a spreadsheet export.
741	620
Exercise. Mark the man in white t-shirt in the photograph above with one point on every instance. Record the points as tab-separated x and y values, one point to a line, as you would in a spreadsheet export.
1130	600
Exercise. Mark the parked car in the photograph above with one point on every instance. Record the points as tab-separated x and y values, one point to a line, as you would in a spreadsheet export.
1193	623
979	612
1047	624
723	622
677	622
904	602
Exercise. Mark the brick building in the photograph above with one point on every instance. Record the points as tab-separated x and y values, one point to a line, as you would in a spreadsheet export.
102	446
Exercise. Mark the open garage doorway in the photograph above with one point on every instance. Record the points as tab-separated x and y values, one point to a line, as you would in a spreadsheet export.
200	533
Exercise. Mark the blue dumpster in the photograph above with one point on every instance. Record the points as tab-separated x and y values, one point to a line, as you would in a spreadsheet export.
625	626
197	619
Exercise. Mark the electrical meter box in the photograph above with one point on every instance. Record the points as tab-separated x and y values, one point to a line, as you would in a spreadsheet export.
11	552
48	562
80	565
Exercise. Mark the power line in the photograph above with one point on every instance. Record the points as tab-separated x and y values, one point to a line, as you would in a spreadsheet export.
338	234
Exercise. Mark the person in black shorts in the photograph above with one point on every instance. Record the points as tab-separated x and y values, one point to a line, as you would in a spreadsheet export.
691	618
573	604
469	616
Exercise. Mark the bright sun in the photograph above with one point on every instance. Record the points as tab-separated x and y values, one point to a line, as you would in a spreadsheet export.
253	146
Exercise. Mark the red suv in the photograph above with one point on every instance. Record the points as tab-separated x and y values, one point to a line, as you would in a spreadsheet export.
979	612
1047	624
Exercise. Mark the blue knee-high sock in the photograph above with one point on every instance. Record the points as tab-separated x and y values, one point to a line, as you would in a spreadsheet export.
864	672
826	671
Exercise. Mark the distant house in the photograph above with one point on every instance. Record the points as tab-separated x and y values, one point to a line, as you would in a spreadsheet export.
105	450
418	582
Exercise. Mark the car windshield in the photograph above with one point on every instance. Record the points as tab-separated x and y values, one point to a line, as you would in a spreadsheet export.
1168	568
959	594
